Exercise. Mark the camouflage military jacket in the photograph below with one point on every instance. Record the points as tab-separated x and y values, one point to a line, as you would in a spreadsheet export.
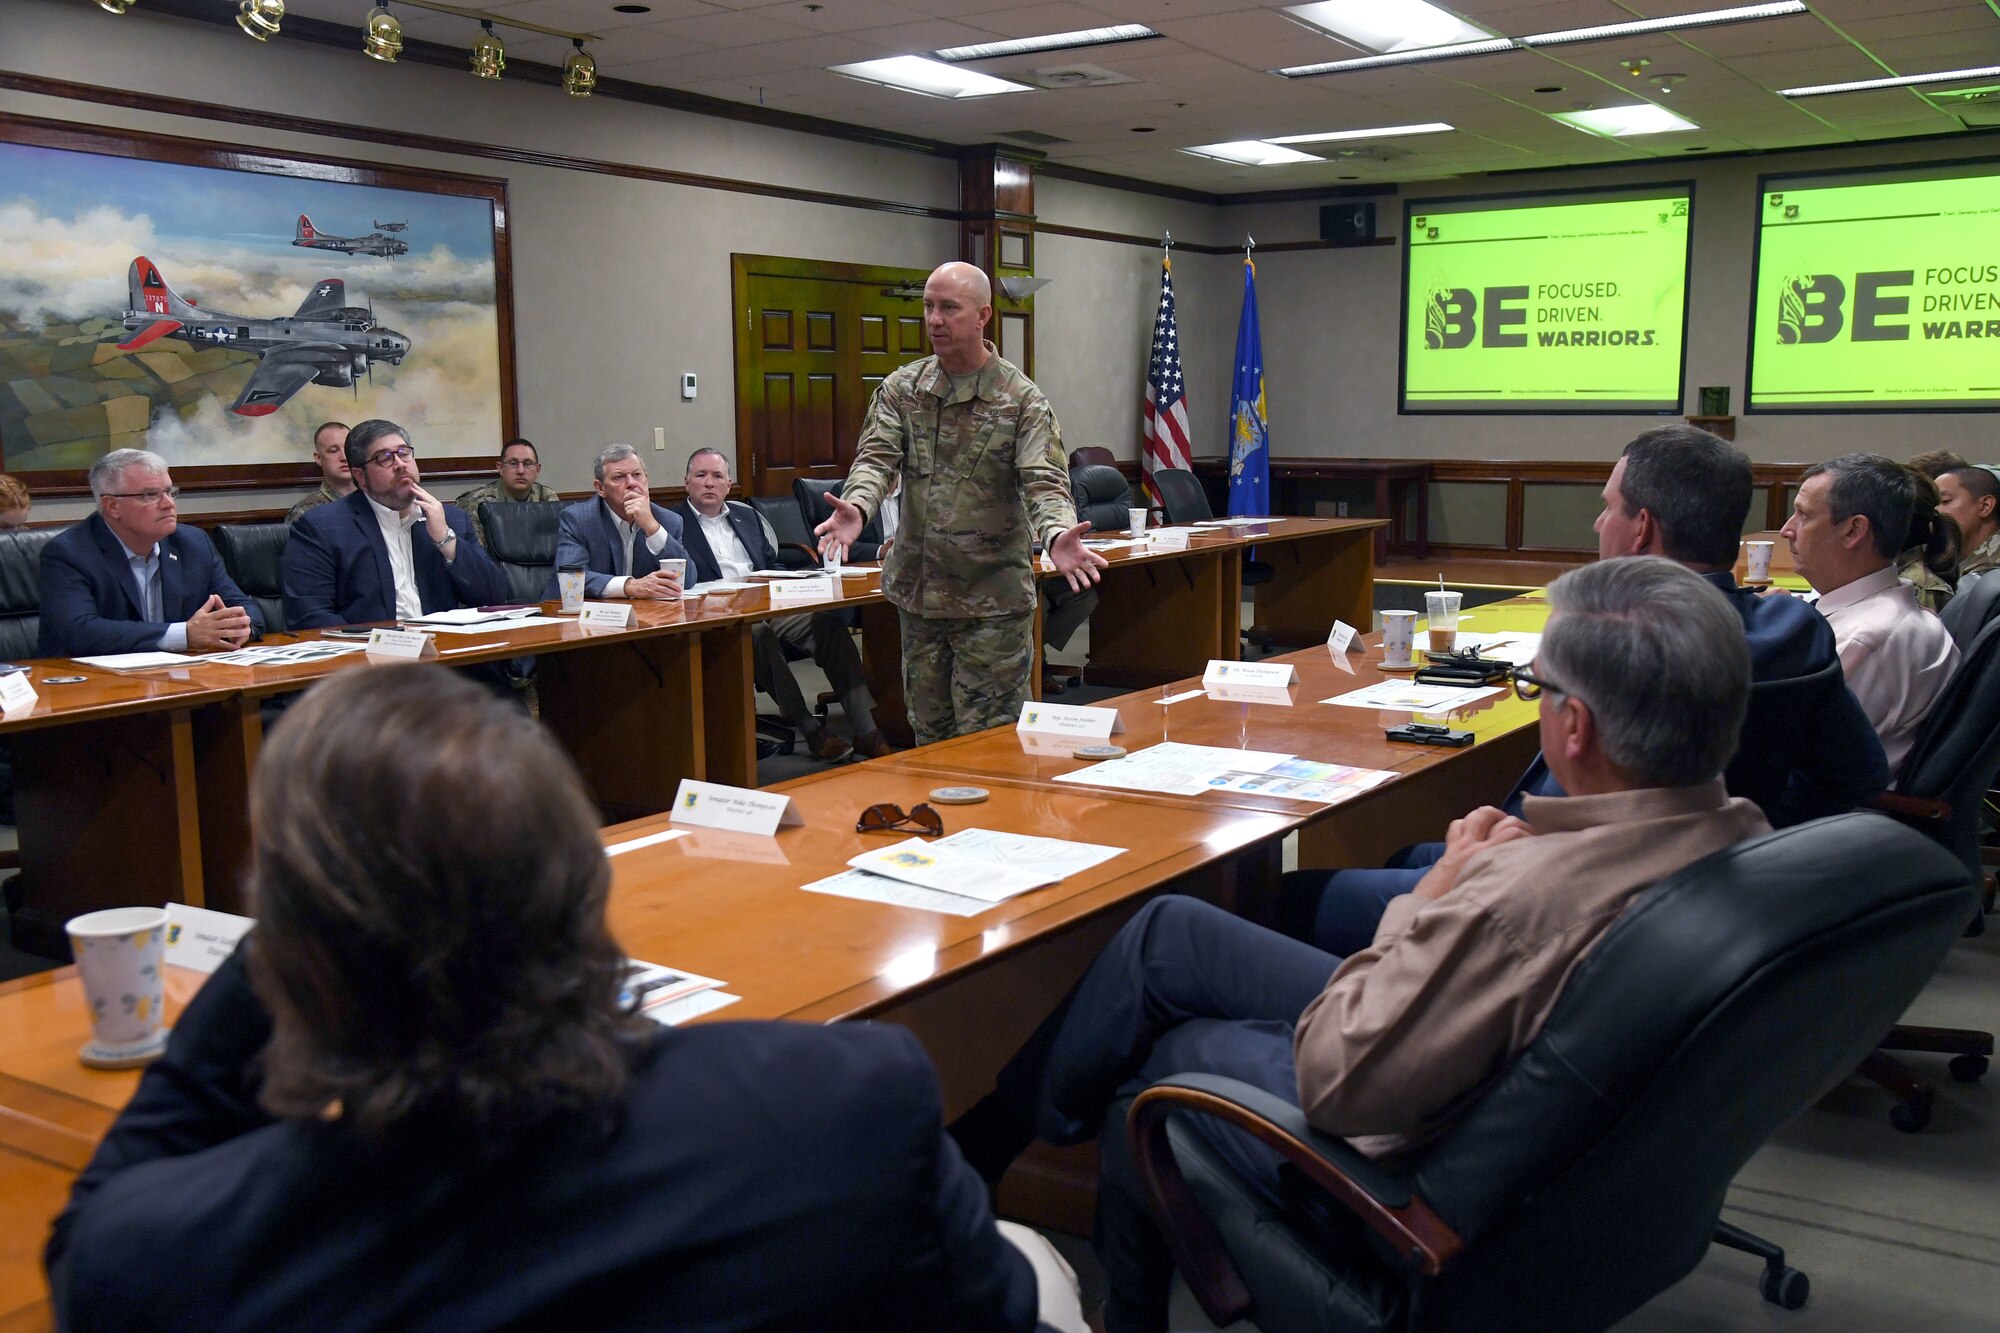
984	478
323	496
1981	558
493	490
1932	591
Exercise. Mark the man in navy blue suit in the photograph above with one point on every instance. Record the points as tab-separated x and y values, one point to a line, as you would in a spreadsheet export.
130	579
727	541
388	551
620	538
1682	493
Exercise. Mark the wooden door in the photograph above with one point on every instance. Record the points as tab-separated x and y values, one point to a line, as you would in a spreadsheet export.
813	340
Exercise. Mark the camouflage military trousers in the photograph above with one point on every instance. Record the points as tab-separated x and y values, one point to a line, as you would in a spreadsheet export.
961	676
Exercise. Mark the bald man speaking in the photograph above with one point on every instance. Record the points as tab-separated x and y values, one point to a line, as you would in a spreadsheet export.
984	478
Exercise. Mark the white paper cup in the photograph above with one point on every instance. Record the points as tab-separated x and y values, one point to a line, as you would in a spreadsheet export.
1399	634
678	568
569	583
1135	519
1441	610
119	953
1760	562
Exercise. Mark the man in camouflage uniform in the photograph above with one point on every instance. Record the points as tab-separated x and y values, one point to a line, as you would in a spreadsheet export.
1970	497
330	452
518	480
983	478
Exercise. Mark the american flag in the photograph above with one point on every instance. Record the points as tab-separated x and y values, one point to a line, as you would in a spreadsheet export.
1167	439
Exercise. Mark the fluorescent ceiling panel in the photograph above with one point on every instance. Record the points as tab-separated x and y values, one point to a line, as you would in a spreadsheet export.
1453	52
1616	122
1385	132
1251	153
1055	41
930	78
1708	18
1389	25
1906	81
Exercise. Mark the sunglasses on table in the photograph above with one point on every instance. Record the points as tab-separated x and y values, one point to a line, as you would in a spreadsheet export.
887	818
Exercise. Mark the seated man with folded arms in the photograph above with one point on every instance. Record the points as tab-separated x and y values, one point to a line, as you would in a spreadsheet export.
517	480
1642	675
418	1096
388	551
619	538
1849	519
1682	493
1970	497
727	541
130	578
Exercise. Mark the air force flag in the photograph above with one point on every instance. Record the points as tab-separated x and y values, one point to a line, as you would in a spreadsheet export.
1249	433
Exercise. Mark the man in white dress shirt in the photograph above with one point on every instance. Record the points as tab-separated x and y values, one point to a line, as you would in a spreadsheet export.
1851	518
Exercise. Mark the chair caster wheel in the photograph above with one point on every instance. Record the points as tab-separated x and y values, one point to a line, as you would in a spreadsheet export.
1967	1068
1910	1117
1785	1288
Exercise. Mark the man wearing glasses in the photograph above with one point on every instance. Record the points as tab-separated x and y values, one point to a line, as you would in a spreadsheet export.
519	480
389	551
130	579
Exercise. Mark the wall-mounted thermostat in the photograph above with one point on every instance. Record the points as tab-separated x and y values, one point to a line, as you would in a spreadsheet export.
687	386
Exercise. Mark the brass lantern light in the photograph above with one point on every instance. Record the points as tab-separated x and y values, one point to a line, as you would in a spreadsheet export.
114	6
382	37
260	18
579	72
489	57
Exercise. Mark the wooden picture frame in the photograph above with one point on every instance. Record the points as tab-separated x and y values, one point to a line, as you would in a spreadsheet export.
455	301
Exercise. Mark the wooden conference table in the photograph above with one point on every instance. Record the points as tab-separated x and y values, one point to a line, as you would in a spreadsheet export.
134	787
970	987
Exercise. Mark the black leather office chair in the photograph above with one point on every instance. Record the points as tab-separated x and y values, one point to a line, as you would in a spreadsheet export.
1592	1175
1182	500
811	493
1940	789
21	590
1971	608
1091	455
796	549
1102	496
1764	765
254	555
521	537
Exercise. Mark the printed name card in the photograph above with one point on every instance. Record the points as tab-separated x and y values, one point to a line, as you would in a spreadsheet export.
1341	635
200	939
407	644
1168	539
821	589
1248	673
1069	720
606	615
17	694
738	809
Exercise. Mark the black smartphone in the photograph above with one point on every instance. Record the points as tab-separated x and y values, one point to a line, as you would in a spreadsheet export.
1428	733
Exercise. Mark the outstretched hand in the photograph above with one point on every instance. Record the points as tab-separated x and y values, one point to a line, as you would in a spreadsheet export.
1075	561
839	532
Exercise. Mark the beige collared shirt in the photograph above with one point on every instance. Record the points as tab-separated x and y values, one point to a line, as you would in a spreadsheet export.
1411	1031
1896	656
402	562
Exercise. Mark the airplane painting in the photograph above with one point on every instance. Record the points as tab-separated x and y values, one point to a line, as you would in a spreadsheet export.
376	243
392	226
326	341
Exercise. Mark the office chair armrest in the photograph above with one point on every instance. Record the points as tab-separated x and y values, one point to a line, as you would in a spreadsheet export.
800	549
1917	810
1374	1195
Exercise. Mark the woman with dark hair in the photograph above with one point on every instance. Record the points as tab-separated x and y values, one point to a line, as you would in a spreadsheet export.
414	1098
1929	560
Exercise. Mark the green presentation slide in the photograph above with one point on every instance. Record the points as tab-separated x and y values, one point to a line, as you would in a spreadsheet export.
1877	296
1546	304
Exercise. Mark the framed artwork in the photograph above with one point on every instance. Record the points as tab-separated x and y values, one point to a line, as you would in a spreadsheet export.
215	304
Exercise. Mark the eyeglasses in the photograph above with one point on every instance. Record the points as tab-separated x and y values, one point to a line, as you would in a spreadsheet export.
1528	686
886	818
525	464
144	497
388	456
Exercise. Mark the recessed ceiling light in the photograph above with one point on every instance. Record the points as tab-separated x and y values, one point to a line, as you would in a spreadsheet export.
1906	81
1617	122
1389	25
1550	88
1708	18
631	9
1385	132
928	78
1251	153
1142	129
1055	41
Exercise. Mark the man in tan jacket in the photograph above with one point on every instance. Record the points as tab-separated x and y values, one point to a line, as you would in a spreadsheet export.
1643	676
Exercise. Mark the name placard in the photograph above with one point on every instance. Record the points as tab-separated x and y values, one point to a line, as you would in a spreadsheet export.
1069	720
407	644
200	939
1248	673
1167	539
17	693
1340	636
606	615
1232	693
821	589
737	809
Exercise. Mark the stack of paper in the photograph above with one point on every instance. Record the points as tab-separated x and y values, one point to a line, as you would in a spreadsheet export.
964	874
1174	768
472	615
284	654
1410	697
670	996
138	661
